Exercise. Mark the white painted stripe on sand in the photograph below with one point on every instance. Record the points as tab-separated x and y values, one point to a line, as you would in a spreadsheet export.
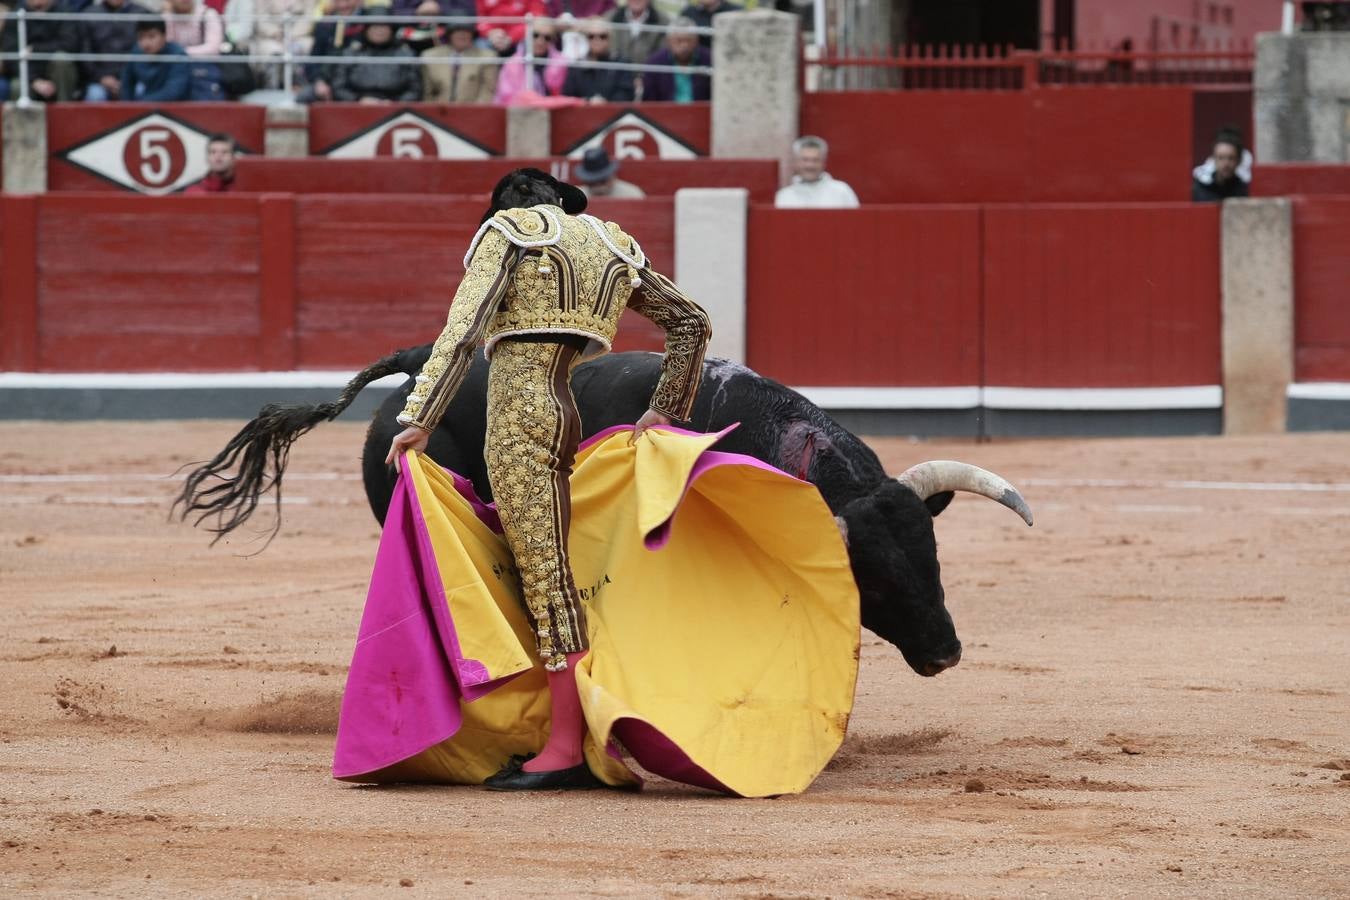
185	380
1205	396
1320	390
892	397
1308	486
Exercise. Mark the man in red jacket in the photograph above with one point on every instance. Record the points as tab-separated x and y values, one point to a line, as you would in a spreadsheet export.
220	151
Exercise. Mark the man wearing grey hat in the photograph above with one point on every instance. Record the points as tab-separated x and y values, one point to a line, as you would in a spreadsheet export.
596	174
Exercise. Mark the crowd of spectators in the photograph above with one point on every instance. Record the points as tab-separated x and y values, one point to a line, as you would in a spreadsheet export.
571	45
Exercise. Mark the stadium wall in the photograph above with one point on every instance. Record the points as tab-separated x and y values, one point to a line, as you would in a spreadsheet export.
976	319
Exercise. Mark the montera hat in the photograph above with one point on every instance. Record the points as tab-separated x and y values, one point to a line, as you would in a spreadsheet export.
572	197
596	166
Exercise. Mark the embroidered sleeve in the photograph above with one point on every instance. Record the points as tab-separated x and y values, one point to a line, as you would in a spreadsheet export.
485	282
687	331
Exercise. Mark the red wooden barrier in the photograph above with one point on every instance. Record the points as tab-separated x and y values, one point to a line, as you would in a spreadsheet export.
658	177
104	282
881	296
643	131
1101	296
1286	179
141	147
1016	147
1122	296
1321	277
411	130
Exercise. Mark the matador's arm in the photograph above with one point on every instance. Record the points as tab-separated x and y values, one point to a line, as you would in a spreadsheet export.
687	329
485	283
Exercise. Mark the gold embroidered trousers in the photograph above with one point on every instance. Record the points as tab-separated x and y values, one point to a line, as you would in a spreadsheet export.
533	429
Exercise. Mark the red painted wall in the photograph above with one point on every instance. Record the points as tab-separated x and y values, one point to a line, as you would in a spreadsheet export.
880	296
1045	146
1286	179
1059	296
1321	289
1173	22
1101	296
245	282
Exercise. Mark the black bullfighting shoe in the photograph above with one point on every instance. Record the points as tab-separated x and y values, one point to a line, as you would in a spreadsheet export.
514	778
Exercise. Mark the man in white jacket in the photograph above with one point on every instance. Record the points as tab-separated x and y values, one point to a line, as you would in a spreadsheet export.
812	187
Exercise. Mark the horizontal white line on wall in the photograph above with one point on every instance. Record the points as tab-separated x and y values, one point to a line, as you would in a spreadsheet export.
964	397
1320	390
892	397
185	380
1204	396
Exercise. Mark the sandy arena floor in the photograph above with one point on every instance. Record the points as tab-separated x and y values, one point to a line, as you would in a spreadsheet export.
1154	700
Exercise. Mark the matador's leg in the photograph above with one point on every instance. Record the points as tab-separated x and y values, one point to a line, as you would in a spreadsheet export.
533	429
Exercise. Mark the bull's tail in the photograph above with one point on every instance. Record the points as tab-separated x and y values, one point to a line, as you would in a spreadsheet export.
257	455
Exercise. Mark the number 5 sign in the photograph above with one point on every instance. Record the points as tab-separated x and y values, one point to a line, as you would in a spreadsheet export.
152	154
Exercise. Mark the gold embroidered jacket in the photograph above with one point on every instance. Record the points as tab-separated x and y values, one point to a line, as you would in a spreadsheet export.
541	271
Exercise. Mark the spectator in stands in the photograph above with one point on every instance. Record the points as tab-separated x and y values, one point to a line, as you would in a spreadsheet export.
422	36
701	13
545	75
502	37
331	38
151	80
48	80
566	15
682	49
812	187
457	81
1223	182
195	27
598	85
268	38
379	82
1205	171
102	81
220	154
629	41
596	175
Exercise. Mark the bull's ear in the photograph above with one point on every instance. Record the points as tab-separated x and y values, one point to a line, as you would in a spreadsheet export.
938	502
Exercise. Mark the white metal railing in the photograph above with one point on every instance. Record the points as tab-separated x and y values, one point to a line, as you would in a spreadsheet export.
288	59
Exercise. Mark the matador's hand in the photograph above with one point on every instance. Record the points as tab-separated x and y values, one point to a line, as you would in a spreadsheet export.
410	438
649	418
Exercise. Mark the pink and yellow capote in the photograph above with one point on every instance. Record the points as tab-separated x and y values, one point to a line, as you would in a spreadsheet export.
722	610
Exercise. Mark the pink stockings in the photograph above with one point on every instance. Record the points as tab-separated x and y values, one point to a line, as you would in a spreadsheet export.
568	726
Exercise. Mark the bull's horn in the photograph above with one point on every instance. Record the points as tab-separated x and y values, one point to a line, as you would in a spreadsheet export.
939	475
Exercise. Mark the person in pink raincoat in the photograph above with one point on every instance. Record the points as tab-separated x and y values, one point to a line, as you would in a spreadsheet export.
544	76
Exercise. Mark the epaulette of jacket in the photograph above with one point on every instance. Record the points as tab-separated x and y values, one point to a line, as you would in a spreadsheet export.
534	227
621	244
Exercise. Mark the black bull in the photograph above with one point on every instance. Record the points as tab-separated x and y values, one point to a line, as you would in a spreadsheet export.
887	522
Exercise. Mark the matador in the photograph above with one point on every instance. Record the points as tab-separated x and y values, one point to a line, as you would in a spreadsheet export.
544	287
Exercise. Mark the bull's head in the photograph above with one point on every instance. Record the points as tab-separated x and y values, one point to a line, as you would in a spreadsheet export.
894	556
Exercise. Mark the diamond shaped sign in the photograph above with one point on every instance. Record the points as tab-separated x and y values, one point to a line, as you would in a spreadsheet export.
407	135
152	154
632	135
